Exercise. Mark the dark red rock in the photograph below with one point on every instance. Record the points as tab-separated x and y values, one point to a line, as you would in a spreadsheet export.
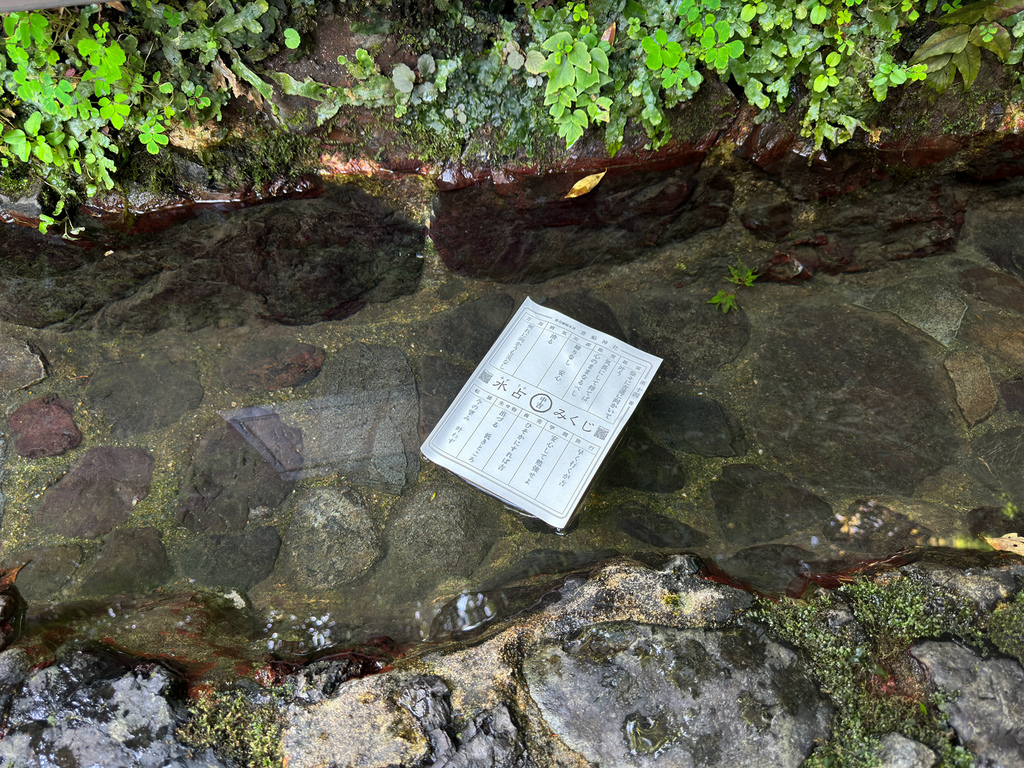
519	225
98	493
768	220
273	365
44	427
919	153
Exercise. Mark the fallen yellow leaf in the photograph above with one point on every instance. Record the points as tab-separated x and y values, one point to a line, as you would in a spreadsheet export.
1011	542
116	5
585	184
609	34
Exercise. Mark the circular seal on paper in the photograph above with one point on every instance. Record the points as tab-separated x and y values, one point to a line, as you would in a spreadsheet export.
540	403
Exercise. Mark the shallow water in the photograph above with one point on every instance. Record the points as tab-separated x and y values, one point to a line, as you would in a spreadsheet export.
248	489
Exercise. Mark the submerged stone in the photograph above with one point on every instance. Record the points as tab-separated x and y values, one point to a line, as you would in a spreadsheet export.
438	532
585	307
771	567
46	571
20	367
1012	394
757	505
975	393
131	561
644	524
44	427
693	338
143	395
642	464
331	540
364	424
230	560
993	287
659	695
227	479
98	493
871	529
271	364
935	308
851	400
467	332
691	424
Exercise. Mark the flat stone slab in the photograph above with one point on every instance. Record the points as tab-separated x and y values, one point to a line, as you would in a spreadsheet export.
20	367
98	493
624	694
975	392
143	395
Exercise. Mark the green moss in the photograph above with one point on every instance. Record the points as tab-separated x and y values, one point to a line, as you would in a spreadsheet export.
856	641
1006	627
236	727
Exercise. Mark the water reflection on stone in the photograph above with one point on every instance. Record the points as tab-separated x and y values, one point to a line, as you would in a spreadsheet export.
264	478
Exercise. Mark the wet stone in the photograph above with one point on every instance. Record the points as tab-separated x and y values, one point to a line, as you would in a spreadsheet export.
332	540
98	493
771	567
365	424
756	505
230	560
1002	455
975	393
871	529
987	700
20	367
642	464
467	332
691	424
935	308
693	338
131	561
226	479
87	709
1001	335
852	400
272	364
439	531
897	751
999	234
46	571
143	395
644	524
438	382
44	427
1012	394
586	308
767	219
993	287
662	696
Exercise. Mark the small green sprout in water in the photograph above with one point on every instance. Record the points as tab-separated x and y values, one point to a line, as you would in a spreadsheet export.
740	276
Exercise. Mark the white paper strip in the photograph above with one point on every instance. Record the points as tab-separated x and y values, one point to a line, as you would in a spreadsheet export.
541	412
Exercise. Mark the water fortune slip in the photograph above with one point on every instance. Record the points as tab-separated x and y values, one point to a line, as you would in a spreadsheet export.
540	413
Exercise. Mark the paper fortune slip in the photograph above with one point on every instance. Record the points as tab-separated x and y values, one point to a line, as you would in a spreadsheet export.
541	412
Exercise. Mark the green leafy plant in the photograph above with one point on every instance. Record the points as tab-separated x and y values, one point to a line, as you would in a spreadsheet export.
740	276
957	48
577	70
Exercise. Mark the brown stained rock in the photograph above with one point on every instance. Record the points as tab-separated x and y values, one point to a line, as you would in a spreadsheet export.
975	393
19	365
1001	335
44	427
132	561
98	493
273	365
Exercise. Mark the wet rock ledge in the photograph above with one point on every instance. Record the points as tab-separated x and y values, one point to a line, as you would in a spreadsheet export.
624	666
